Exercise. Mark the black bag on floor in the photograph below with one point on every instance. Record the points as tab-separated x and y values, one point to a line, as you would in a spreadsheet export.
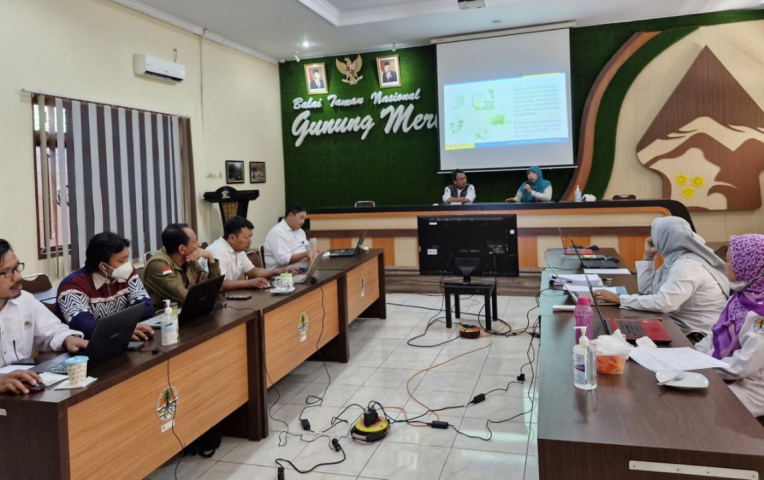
206	445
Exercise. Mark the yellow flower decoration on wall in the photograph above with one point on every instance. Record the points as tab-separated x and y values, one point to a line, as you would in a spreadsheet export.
698	181
688	193
681	179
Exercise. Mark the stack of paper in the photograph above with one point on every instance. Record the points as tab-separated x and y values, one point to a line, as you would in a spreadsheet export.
683	359
575	279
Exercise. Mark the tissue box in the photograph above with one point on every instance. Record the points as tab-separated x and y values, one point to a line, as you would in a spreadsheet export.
611	364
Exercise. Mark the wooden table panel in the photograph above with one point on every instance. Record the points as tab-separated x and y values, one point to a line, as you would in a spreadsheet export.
117	433
283	349
360	299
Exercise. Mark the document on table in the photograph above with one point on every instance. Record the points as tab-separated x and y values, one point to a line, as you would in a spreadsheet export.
576	279
685	358
12	368
608	271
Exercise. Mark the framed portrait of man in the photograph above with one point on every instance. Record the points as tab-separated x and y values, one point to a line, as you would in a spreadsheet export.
315	79
256	172
389	71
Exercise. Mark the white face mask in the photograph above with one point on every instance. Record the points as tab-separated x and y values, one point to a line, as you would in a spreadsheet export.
122	273
738	286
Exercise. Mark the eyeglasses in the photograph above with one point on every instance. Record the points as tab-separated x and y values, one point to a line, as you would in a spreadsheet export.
9	273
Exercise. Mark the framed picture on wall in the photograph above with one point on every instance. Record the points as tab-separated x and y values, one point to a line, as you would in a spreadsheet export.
256	172
389	71
234	171
315	78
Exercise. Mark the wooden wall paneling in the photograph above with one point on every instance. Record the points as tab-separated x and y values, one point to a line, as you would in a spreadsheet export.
211	380
339	243
579	240
631	248
388	245
357	303
283	349
406	252
527	252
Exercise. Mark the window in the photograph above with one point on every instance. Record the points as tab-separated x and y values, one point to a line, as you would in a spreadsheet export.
108	168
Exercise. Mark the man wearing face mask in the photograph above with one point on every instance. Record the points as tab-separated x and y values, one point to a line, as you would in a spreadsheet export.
106	285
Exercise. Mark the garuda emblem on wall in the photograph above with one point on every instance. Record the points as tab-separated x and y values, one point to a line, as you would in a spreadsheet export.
350	70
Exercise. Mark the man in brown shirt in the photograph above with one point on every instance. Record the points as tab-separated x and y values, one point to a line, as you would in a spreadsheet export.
172	270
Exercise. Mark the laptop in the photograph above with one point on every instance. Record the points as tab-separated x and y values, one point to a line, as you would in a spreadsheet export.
349	252
633	328
304	278
110	338
593	263
200	300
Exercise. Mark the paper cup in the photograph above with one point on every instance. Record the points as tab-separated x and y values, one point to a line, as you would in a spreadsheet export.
77	368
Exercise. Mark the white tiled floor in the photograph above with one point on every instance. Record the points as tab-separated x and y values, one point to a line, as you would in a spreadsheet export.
380	368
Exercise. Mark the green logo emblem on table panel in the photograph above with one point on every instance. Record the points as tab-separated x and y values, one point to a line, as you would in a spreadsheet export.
302	326
363	287
167	403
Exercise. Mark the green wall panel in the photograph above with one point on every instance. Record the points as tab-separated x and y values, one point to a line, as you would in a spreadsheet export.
400	168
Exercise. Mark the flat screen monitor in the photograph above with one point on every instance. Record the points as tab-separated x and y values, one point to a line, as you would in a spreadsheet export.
492	239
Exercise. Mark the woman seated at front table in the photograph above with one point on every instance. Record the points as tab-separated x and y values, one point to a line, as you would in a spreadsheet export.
691	287
536	189
106	285
737	339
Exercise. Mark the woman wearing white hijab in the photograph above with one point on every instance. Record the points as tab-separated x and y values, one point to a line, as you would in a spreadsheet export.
691	287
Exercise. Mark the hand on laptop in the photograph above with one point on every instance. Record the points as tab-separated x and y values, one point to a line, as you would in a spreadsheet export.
18	381
603	296
142	332
258	282
74	344
290	269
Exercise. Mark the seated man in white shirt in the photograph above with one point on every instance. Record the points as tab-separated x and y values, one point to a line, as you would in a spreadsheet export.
286	243
461	191
25	323
230	251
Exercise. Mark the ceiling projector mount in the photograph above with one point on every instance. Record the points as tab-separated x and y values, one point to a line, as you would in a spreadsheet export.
470	4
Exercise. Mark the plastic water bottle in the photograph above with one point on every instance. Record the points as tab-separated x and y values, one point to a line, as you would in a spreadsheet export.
578	194
169	326
584	317
584	362
313	249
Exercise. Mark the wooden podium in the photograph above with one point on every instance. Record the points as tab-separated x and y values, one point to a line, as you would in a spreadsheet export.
232	202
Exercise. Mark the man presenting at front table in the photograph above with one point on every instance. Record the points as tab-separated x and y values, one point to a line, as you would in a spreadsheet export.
230	251
26	324
460	191
171	271
286	243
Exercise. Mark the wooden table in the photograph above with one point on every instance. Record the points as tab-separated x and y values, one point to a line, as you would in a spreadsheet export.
345	289
111	429
628	418
221	369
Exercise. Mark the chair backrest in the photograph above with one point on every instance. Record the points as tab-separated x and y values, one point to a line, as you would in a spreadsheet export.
256	257
147	256
365	203
624	196
262	255
36	283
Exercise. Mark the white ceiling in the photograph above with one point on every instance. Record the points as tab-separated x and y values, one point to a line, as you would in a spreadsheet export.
277	28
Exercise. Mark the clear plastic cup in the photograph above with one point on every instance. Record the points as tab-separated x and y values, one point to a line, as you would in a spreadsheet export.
77	368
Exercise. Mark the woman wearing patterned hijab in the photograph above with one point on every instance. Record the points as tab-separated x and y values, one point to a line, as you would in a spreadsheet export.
738	336
690	287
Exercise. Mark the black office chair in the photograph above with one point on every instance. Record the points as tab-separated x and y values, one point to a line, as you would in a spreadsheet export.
365	204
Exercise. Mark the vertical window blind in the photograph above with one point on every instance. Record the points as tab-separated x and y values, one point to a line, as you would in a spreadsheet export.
108	168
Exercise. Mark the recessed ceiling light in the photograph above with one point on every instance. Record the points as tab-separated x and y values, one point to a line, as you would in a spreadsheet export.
497	21
305	44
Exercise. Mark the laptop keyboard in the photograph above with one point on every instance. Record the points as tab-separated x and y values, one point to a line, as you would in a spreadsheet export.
58	368
631	329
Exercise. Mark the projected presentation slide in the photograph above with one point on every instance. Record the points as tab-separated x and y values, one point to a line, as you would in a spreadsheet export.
511	111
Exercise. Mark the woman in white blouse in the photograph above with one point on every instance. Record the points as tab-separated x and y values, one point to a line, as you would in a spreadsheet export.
691	286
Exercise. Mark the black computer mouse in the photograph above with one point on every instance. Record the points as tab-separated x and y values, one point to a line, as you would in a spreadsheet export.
37	387
593	247
613	259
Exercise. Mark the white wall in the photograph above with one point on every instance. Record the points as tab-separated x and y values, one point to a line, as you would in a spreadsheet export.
84	48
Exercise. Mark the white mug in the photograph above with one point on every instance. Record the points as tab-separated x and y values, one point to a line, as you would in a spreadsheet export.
284	280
